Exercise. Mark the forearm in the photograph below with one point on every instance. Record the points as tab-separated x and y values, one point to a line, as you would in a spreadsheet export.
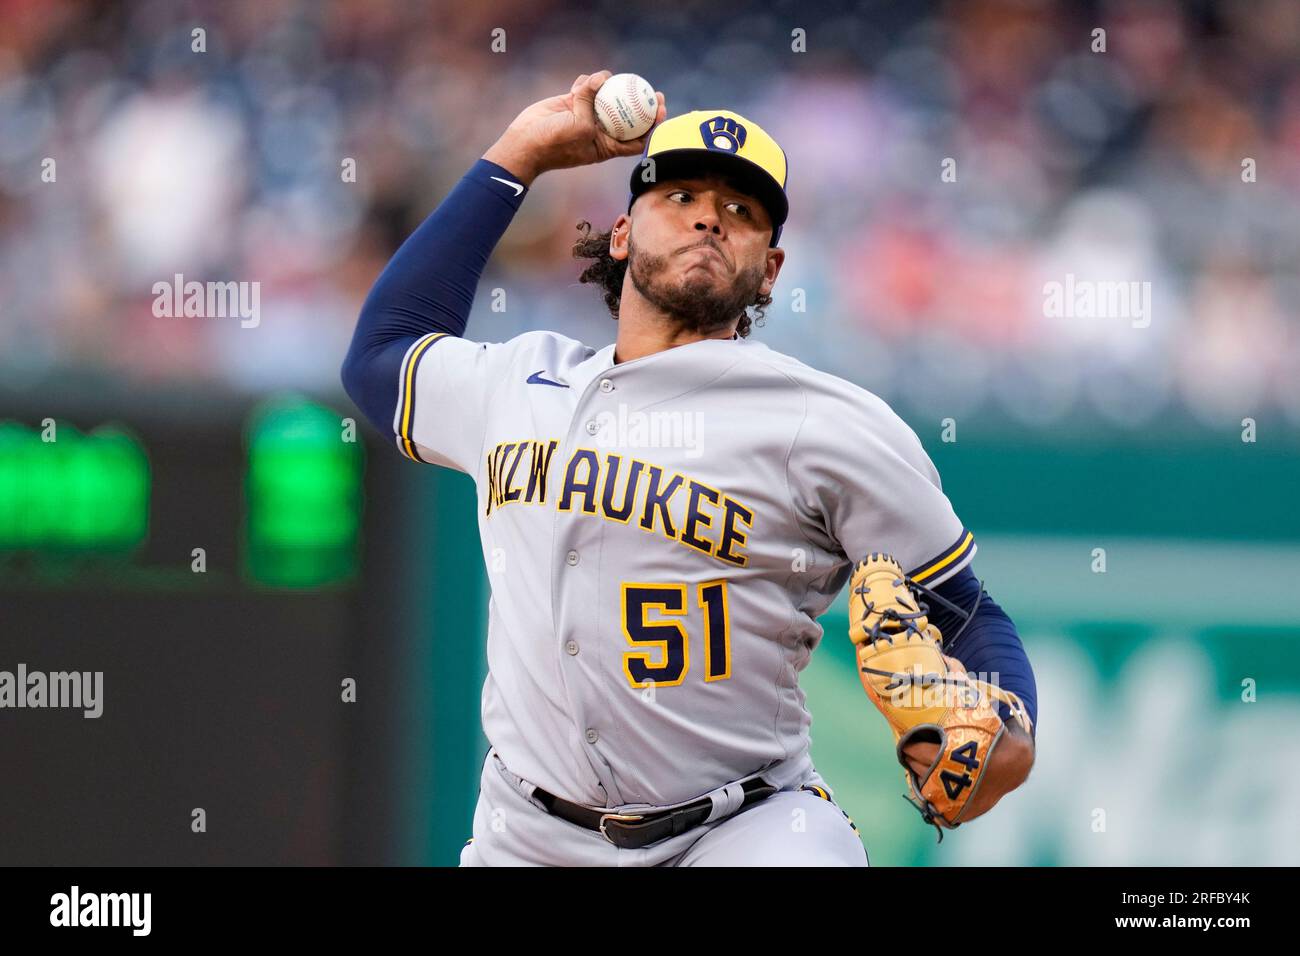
989	646
428	285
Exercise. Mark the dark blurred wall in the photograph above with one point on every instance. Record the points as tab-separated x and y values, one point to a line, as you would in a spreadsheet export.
225	695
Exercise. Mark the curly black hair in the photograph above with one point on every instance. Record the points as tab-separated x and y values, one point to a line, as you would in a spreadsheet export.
607	272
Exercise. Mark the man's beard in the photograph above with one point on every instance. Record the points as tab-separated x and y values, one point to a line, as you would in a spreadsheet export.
697	303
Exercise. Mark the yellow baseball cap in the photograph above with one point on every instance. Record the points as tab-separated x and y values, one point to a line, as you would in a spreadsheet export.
716	141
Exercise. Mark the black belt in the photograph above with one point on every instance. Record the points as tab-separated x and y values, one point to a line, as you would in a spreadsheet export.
631	831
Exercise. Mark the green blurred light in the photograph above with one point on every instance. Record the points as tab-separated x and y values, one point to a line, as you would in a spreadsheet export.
74	494
303	496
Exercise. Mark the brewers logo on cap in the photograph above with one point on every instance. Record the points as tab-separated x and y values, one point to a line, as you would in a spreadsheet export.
721	141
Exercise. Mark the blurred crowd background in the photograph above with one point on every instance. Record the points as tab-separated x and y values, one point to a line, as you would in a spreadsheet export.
1117	166
1104	463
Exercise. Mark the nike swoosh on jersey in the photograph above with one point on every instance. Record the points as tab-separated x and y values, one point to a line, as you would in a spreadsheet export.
536	379
515	186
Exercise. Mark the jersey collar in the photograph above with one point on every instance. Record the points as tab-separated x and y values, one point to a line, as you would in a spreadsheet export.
665	374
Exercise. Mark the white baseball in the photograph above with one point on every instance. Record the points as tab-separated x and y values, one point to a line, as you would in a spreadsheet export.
626	106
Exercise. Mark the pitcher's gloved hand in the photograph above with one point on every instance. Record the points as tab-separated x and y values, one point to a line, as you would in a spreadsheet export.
945	724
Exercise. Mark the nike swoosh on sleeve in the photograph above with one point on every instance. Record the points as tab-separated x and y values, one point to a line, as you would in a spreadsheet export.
515	186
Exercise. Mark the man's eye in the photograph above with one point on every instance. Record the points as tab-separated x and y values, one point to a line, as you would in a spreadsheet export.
740	205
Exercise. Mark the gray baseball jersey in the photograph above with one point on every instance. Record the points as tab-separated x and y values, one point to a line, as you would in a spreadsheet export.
660	537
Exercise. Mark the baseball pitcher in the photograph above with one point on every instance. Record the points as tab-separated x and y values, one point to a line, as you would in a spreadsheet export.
664	518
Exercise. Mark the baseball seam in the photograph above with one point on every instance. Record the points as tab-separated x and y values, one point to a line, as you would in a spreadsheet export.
634	97
615	121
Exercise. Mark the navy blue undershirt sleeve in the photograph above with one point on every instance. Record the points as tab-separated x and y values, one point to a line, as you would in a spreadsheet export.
428	286
989	644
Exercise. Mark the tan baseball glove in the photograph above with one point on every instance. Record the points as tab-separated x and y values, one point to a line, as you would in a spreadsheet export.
924	695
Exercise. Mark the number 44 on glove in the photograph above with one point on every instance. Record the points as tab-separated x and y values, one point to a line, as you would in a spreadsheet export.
926	696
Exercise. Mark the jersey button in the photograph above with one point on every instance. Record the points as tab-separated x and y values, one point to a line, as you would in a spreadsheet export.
606	385
592	736
593	427
571	647
572	558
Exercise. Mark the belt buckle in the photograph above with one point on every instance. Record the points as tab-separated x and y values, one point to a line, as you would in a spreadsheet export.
621	818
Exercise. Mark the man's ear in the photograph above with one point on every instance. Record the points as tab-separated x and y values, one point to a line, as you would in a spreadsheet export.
772	268
618	237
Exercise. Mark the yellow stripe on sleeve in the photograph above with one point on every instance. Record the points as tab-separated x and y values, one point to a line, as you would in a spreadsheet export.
405	443
953	554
